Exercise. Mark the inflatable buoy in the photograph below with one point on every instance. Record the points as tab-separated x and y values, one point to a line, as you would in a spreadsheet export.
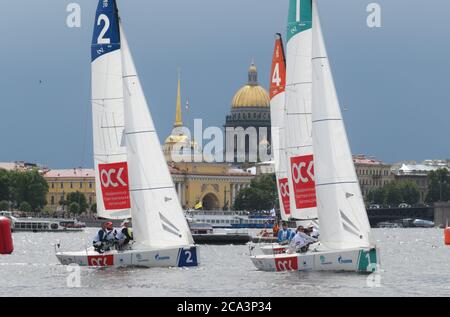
447	235
6	242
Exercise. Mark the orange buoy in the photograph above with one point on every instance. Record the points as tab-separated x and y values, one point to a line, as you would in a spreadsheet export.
6	242
447	235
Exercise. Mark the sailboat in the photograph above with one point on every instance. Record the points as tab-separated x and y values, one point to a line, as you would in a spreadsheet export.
297	156
344	241
133	176
277	115
299	144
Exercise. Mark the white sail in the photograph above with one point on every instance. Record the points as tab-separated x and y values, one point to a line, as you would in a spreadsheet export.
277	115
108	115
342	214
158	220
299	147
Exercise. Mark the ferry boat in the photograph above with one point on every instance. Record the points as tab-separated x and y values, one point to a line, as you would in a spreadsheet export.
230	219
47	225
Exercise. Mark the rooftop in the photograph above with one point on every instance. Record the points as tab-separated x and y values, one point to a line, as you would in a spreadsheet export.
69	173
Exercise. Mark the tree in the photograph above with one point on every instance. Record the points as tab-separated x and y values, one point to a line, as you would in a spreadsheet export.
410	192
261	195
74	208
25	207
78	198
48	210
393	194
94	208
4	205
30	187
377	196
4	185
438	186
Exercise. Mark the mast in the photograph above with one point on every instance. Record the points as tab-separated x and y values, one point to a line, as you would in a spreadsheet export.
299	147
277	114
342	215
110	160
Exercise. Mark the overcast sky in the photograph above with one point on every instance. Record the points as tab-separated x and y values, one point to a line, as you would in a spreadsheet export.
394	80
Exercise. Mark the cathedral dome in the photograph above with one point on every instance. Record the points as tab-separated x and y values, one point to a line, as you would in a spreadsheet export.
251	95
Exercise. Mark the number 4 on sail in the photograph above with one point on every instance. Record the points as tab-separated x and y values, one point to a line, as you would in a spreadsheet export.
344	243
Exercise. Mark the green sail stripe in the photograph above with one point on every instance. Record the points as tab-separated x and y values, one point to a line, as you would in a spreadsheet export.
300	19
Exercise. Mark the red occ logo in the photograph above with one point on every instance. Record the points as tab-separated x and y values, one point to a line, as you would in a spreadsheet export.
286	264
114	184
283	187
302	168
101	260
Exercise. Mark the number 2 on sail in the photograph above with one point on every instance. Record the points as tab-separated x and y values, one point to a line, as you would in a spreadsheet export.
101	39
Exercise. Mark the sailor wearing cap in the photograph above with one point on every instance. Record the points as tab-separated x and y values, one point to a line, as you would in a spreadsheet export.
124	235
102	237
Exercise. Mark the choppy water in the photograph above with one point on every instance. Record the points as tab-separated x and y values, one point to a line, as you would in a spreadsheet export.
414	262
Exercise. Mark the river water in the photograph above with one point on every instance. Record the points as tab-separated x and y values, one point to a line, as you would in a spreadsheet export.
415	262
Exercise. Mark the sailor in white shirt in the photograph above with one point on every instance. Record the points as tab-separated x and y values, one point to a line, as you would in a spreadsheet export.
301	241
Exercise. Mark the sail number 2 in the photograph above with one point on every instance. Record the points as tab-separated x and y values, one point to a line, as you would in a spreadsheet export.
101	38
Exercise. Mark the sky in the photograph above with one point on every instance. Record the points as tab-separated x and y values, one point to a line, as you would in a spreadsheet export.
394	80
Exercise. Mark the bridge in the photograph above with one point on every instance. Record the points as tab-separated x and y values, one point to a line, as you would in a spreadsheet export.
392	214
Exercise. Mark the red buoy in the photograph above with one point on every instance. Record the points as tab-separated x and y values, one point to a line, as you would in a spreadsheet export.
447	235
6	242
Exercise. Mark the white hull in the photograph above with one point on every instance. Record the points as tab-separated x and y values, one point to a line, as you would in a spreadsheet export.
353	260
166	257
274	248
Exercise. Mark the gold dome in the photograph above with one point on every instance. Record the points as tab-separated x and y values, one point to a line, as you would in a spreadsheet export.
251	95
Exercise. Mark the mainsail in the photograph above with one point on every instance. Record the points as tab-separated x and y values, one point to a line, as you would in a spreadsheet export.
158	219
277	114
342	214
299	147
110	158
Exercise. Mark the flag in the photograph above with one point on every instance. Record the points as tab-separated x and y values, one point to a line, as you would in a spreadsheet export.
273	213
199	205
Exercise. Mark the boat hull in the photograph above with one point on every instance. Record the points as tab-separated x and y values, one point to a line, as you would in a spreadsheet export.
168	257
362	260
274	248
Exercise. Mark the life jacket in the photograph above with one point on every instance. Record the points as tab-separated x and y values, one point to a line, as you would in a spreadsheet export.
100	236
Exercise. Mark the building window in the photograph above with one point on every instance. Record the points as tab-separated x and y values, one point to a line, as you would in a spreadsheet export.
53	185
81	185
90	184
52	200
62	185
71	185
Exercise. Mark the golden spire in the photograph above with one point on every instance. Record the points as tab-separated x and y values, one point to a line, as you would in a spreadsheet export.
179	115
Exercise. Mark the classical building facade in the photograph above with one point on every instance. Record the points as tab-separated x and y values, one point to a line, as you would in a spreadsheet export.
250	109
66	181
213	186
372	174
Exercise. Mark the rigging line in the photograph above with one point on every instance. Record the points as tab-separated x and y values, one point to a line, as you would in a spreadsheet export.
109	135
115	130
83	151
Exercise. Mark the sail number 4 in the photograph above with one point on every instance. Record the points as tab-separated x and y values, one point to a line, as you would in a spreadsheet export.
276	78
